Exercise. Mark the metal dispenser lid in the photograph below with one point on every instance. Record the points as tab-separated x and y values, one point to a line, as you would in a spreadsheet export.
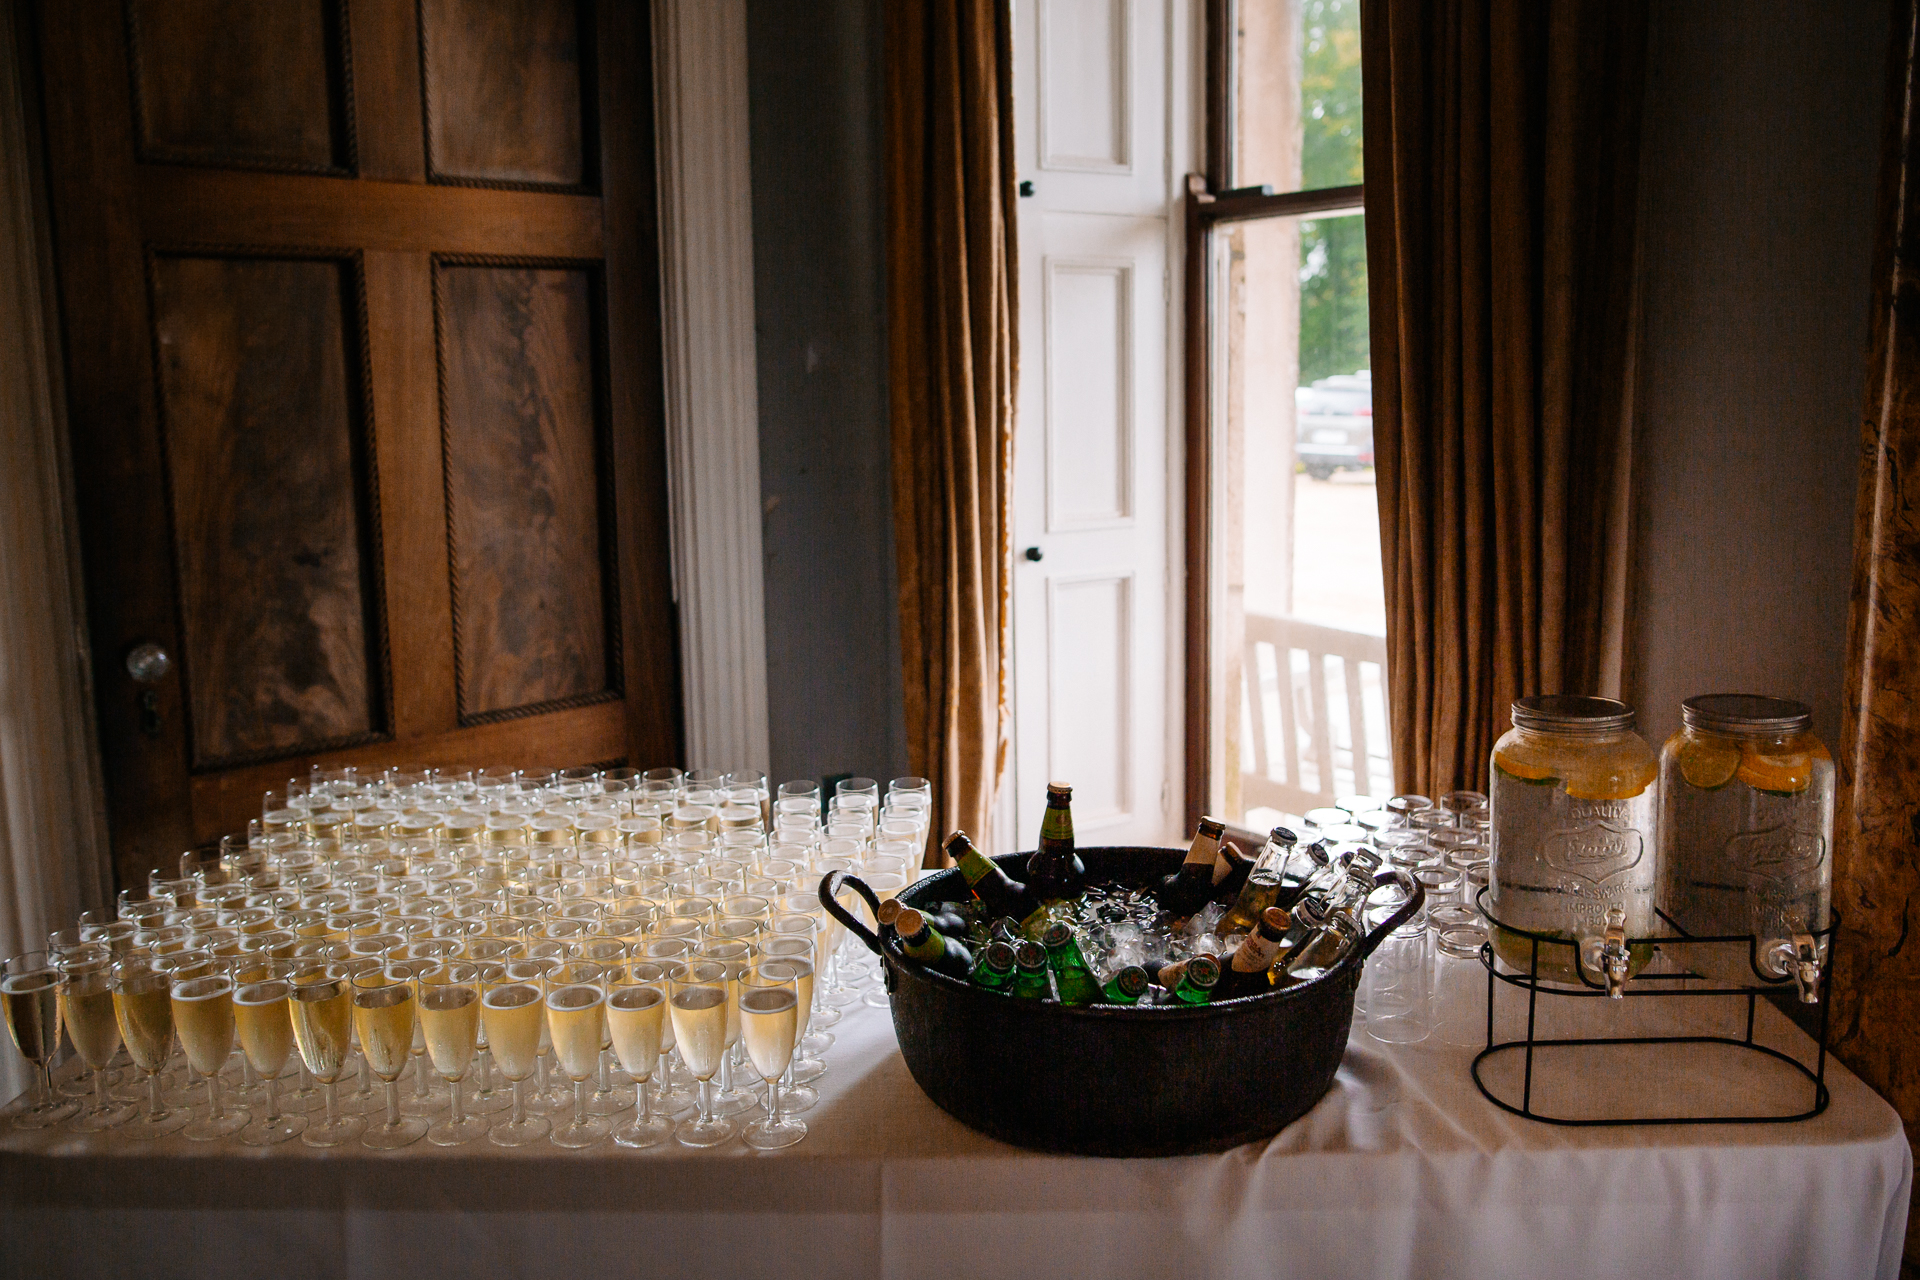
1746	715
1571	713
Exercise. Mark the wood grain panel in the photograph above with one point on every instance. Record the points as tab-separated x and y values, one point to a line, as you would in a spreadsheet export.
222	802
261	417
504	91
212	207
237	82
520	410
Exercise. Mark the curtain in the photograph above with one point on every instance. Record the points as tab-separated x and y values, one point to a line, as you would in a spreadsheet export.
1876	988
1502	151
948	103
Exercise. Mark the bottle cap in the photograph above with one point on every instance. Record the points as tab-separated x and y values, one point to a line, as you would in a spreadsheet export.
1061	789
889	912
999	957
1132	982
1058	934
909	923
1311	912
1212	827
1275	921
1283	836
1030	955
1203	971
956	844
1170	974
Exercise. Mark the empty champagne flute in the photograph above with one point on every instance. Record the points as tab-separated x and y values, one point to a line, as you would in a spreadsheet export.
30	992
203	1017
576	1023
265	1027
449	996
513	1012
383	1006
697	1004
321	1010
637	1016
769	1023
86	1007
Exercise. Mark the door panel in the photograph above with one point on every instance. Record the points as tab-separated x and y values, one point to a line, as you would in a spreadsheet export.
264	429
237	82
523	463
504	100
378	459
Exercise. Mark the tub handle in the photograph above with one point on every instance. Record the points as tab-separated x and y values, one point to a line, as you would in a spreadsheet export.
830	886
1416	898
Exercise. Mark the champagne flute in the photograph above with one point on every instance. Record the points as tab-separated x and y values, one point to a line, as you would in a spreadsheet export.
30	992
321	1010
71	953
670	1098
450	1017
261	1016
795	1094
770	1024
737	957
697	1004
513	1014
143	1010
203	1016
576	1022
490	960
86	1006
383	1006
637	1016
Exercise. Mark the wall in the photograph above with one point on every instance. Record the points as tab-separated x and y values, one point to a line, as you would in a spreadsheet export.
833	635
1762	147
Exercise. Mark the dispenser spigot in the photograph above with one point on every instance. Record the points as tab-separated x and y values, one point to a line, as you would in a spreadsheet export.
1799	958
1614	955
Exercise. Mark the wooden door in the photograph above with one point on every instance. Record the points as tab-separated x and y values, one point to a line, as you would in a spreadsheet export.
361	312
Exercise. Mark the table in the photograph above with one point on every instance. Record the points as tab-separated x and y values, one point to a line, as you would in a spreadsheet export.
1402	1170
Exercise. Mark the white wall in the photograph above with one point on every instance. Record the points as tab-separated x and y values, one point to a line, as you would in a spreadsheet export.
1762	144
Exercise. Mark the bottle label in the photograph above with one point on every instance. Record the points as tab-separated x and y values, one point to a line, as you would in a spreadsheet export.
974	867
1203	852
1057	826
1256	954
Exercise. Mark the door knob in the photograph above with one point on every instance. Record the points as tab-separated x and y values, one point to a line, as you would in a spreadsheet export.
148	663
1035	553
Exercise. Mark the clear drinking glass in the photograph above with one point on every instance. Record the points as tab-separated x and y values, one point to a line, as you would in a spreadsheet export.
698	1005
30	991
143	1010
383	1018
86	1007
1459	988
203	1019
321	1009
636	1018
576	1023
449	1002
1398	995
265	1028
770	1025
513	1014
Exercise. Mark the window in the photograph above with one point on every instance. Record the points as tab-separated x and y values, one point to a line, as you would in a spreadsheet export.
1287	618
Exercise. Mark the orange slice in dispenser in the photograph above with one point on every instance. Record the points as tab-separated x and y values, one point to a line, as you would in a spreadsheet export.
1708	764
1538	775
1780	773
1612	784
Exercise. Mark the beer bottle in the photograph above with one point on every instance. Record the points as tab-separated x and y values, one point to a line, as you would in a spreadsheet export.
1230	870
1071	977
994	969
1196	982
1262	887
999	893
1126	986
922	942
1187	890
946	921
1248	973
1055	871
1330	935
1031	979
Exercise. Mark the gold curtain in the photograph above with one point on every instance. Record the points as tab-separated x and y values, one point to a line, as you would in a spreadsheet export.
948	100
1502	149
1876	989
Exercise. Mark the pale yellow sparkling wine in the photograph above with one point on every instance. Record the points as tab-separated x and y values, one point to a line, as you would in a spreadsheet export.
90	1023
205	1024
323	1028
32	1005
383	1017
770	1020
146	1026
450	1020
637	1017
261	1016
575	1018
700	1027
514	1017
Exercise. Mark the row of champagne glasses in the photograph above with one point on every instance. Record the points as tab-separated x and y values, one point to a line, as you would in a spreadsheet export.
234	886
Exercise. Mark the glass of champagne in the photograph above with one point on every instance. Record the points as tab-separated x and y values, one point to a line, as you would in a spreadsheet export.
86	1007
577	1024
513	1012
697	1004
70	953
261	1017
203	1017
770	1025
738	958
795	1094
321	1010
637	1017
492	968
383	1006
449	996
30	992
143	1010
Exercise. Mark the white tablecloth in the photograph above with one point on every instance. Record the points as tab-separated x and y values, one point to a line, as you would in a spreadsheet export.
1402	1170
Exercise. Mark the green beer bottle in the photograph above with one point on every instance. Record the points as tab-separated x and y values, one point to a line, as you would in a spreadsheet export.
926	944
999	893
1070	973
1031	979
1197	981
994	970
1126	986
1055	871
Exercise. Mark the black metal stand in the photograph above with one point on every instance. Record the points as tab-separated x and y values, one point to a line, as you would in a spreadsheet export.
1647	985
